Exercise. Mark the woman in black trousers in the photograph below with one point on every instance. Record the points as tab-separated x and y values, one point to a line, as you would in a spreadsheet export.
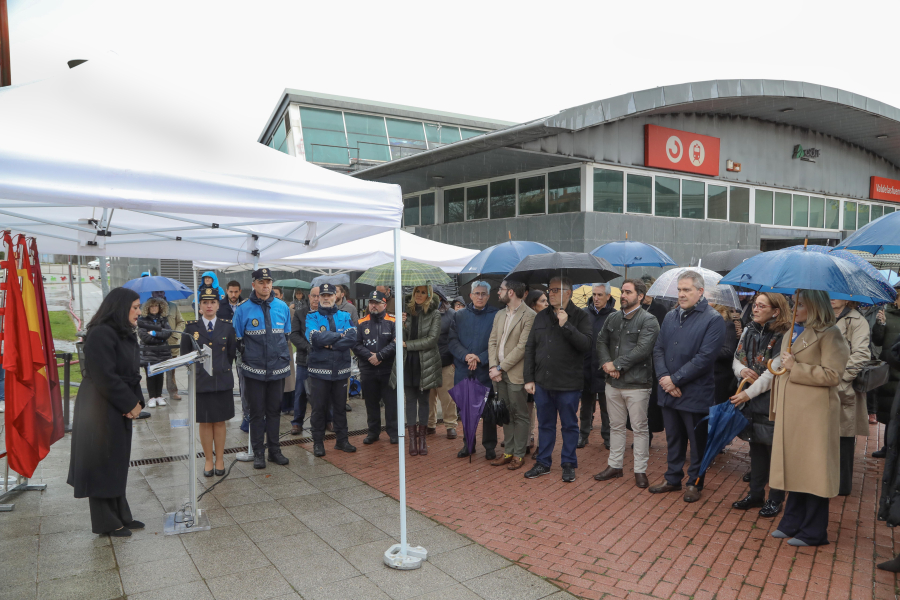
108	400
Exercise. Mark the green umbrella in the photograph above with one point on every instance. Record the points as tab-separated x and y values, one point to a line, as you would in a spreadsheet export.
292	283
411	274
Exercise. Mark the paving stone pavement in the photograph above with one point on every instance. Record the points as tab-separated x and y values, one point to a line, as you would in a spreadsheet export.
613	540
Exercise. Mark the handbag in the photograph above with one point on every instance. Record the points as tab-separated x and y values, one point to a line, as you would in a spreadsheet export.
873	374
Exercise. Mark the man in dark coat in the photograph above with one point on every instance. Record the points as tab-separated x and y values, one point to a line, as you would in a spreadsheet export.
298	339
601	306
684	357
554	373
470	332
889	504
375	350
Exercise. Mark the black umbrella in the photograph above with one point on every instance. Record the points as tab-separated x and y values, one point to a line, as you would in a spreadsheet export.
726	260
578	267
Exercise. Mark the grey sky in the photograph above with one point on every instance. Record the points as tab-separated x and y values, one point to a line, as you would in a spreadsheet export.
512	61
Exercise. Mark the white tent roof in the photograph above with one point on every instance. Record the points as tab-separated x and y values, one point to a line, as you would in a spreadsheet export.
106	148
366	253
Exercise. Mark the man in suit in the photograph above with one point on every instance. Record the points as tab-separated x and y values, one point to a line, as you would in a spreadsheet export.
506	355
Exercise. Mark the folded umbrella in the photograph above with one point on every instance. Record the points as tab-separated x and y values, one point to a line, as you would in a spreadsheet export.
145	286
725	422
470	397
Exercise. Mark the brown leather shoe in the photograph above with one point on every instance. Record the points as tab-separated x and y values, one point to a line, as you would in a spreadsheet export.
515	463
296	430
504	459
640	480
451	434
413	438
423	447
608	473
691	493
431	430
664	488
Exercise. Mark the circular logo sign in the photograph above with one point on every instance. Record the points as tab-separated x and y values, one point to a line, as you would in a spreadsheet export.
255	322
674	149
696	153
322	328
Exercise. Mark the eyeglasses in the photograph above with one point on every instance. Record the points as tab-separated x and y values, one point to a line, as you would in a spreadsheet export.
759	306
557	290
479	294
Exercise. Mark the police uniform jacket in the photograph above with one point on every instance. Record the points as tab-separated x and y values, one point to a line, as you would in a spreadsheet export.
262	328
375	335
324	328
223	343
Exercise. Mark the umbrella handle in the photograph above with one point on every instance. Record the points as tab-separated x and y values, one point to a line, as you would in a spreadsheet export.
742	384
780	371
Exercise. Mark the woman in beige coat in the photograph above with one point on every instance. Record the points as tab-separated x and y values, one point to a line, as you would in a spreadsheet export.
807	413
854	420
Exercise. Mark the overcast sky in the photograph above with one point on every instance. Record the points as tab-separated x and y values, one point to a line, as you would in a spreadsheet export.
512	61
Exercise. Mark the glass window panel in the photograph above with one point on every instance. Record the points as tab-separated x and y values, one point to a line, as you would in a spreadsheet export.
454	205
477	202
279	138
801	211
764	206
668	196
718	202
564	191
503	199
817	212
439	135
888	209
410	211
832	213
366	133
877	211
323	136
608	190
428	209
639	194
469	133
740	205
406	137
849	215
531	195
782	208
693	199
862	215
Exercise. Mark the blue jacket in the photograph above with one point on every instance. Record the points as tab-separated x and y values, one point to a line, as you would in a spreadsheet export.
686	351
470	332
262	329
333	328
215	286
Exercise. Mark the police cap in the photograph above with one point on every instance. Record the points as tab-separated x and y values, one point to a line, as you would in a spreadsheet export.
327	288
377	296
208	294
261	274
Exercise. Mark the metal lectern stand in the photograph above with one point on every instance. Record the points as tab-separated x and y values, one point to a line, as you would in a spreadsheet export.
189	518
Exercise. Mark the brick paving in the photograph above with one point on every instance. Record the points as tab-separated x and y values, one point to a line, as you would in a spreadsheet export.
613	540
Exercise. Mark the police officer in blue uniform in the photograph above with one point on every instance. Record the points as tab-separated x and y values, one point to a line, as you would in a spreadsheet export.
331	335
262	324
375	351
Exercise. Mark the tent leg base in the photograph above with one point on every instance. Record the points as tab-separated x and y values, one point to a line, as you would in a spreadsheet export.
244	456
413	559
177	523
22	487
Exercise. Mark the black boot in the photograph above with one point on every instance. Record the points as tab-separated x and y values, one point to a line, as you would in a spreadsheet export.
464	452
278	458
371	439
892	565
259	460
345	446
582	441
318	449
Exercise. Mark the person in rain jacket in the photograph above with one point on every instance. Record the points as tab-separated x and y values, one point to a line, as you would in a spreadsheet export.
209	280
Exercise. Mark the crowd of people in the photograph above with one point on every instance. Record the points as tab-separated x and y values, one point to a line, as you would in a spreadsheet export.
644	366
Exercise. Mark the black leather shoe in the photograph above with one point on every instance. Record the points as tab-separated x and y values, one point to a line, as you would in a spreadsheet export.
582	441
880	453
370	439
490	454
346	446
393	438
123	532
568	473
220	472
135	525
349	408
463	453
770	509
259	461
892	565
748	502
665	488
278	459
208	473
318	449
746	477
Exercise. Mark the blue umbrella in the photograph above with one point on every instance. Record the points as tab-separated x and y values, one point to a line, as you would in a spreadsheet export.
470	397
881	236
725	422
146	285
633	254
501	259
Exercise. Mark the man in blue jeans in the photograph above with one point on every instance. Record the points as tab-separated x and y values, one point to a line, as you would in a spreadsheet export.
554	373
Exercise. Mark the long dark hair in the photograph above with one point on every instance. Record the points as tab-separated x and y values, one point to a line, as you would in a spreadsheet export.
532	298
114	311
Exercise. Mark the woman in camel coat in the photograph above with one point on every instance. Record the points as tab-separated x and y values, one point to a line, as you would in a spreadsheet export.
806	409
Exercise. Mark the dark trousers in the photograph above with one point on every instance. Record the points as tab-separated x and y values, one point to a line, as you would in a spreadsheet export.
760	463
245	407
549	404
109	514
806	518
848	446
300	397
376	388
264	400
416	406
324	395
681	428
589	403
155	385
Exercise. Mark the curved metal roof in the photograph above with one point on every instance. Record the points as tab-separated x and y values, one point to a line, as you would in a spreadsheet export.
850	117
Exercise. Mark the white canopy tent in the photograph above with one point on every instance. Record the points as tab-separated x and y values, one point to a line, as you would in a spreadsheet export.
366	253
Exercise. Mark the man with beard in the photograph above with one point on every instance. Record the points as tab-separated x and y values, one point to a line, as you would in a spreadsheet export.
375	350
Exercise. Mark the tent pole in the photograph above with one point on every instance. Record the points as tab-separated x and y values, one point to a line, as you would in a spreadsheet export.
80	293
196	305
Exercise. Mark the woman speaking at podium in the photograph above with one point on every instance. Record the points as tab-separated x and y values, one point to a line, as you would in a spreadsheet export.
109	398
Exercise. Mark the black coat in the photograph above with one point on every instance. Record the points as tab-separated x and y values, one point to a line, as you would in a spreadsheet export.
444	340
154	348
226	310
554	355
656	309
594	377
223	343
889	509
298	336
375	335
726	384
757	345
101	436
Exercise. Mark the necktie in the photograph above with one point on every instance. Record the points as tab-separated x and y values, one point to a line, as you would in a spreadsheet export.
209	326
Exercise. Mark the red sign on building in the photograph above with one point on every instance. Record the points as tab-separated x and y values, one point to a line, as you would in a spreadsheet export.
882	188
666	148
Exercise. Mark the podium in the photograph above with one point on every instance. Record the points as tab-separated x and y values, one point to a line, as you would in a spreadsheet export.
189	518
